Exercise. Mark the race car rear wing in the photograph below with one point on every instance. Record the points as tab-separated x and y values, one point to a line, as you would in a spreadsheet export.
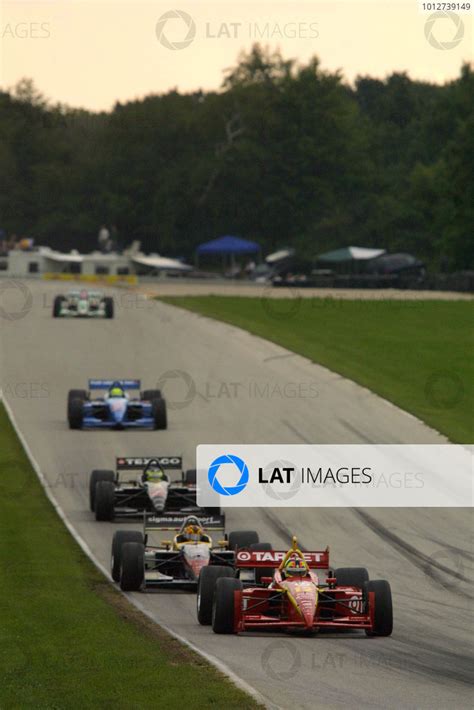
107	384
138	463
172	522
273	559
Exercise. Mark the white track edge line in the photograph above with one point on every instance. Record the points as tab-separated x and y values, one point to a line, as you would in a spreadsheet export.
219	665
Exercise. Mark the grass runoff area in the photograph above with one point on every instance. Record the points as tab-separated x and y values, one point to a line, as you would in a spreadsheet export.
67	638
416	353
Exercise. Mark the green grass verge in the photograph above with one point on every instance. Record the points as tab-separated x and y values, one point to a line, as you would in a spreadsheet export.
67	638
417	354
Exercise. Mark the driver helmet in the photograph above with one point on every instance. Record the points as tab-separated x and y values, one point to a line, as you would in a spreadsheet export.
153	473
84	294
295	567
116	390
192	533
192	530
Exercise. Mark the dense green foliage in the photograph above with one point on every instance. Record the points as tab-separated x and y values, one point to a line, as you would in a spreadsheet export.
67	639
284	154
417	354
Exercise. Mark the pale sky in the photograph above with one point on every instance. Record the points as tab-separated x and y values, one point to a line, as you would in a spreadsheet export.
92	53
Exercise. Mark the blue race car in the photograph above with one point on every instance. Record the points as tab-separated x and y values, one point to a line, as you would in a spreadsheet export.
116	410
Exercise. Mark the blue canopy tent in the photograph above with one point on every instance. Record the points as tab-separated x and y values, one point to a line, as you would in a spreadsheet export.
227	245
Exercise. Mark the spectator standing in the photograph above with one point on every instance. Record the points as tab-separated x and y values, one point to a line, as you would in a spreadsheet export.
104	239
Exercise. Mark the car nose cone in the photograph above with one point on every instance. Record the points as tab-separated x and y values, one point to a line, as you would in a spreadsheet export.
117	410
308	616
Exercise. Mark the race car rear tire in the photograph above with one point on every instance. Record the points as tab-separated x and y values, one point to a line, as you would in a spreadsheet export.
109	307
132	569
158	412
96	476
224	603
150	395
119	539
75	413
383	613
351	576
190	477
57	303
104	500
206	588
259	572
242	538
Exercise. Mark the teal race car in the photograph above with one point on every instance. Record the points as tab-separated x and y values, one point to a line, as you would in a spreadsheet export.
83	304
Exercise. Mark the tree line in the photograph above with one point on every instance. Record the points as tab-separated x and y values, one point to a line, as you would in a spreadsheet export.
284	154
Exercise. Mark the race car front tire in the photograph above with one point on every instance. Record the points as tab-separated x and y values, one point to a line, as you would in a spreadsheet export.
76	394
75	413
223	610
206	589
95	477
57	303
158	412
132	569
109	307
351	576
104	500
119	539
383	612
242	538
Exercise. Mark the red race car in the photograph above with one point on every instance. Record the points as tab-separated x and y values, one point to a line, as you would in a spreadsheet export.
292	597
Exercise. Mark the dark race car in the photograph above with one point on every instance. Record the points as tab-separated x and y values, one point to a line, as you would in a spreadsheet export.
115	494
179	563
116	410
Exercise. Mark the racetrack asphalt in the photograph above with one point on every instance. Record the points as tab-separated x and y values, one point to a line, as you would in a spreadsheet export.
224	385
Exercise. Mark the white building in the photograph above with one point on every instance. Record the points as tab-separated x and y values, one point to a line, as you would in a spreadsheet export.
43	260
